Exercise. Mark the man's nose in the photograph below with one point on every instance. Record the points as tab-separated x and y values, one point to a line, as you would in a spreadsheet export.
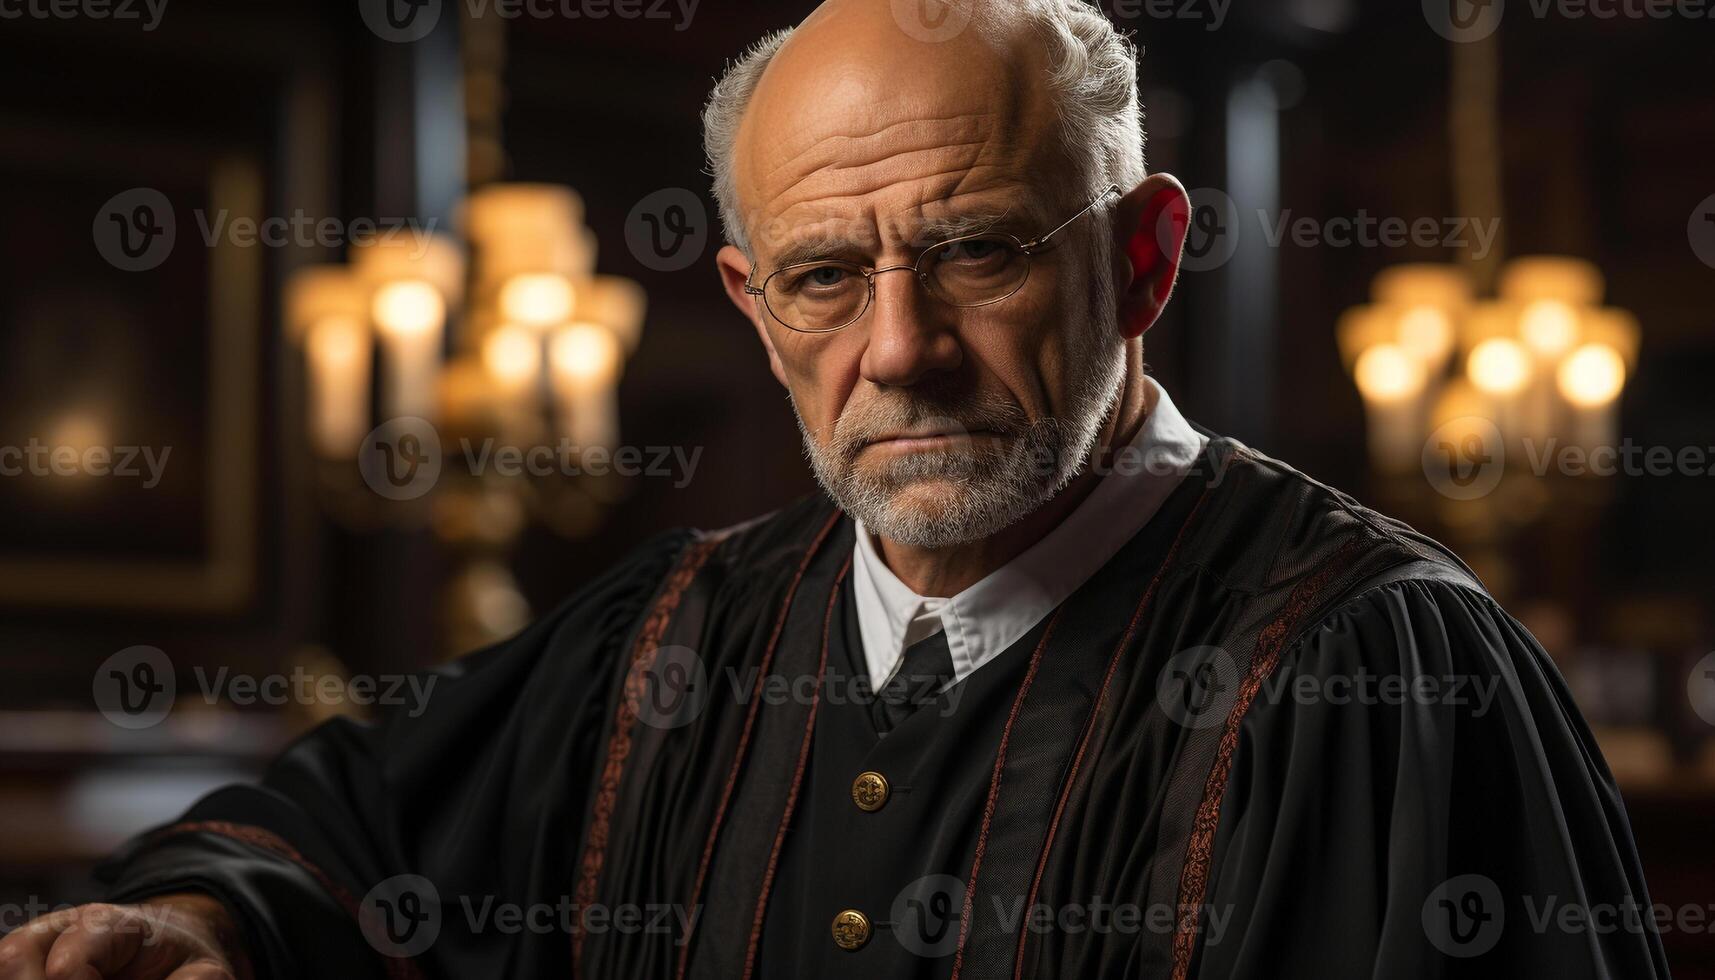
910	334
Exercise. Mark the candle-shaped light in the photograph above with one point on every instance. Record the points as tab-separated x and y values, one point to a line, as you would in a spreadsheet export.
327	314
410	316
1590	379
1391	380
1549	328
1501	368
538	300
512	360
1426	332
615	303
584	360
337	353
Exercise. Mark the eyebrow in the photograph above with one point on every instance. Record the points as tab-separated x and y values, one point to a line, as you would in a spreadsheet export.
931	232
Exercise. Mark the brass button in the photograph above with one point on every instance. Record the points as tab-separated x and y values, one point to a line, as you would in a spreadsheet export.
869	791
851	929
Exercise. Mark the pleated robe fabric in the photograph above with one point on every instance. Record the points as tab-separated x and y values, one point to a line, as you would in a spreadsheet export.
1277	735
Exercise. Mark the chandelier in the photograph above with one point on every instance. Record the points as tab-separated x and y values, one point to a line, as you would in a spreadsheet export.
1541	365
1473	369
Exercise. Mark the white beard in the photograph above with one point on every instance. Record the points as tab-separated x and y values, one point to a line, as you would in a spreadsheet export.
938	499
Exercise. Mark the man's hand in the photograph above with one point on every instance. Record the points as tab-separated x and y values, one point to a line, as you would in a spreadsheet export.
174	937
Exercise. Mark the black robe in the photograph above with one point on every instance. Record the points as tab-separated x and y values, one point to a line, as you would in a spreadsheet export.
1277	735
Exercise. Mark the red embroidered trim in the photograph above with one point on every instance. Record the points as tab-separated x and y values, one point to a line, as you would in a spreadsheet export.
624	720
797	780
994	792
267	840
744	737
1199	850
1090	728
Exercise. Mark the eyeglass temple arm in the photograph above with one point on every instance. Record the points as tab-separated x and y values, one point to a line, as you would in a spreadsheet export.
1037	243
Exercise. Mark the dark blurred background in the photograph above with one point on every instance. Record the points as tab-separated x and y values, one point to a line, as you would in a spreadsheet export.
257	548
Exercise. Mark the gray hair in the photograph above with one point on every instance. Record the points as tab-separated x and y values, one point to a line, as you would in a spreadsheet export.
1092	76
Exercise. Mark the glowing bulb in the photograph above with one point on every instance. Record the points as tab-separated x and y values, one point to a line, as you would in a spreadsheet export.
1426	332
1499	366
80	431
409	307
1549	327
1592	375
1387	372
512	356
537	299
336	341
584	354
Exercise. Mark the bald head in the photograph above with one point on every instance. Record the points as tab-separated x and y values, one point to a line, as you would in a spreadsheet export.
855	108
972	86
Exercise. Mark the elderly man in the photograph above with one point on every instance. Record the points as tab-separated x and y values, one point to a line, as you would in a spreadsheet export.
1054	685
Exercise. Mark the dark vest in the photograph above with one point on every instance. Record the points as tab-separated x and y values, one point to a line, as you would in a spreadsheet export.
892	847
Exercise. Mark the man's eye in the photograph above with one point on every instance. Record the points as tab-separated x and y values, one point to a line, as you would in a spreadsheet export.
972	250
818	277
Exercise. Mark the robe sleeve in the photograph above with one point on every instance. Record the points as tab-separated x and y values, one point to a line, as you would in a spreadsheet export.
479	787
1415	795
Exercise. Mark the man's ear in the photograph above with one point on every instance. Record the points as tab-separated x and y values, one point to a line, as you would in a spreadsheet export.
1149	233
735	272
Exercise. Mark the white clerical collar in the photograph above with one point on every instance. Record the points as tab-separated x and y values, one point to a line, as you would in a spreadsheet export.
993	614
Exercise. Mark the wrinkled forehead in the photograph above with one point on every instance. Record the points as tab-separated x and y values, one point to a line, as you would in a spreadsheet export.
866	132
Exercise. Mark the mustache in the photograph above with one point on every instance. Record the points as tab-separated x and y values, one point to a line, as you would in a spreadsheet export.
900	409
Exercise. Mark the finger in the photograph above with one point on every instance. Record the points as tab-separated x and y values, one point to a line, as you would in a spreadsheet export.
98	944
24	952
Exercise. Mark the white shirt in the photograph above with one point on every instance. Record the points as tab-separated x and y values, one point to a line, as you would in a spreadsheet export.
993	614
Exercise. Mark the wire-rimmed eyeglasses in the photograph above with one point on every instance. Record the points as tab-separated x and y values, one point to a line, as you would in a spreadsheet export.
823	295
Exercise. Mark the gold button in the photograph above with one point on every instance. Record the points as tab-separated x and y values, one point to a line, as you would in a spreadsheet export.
851	929
869	791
